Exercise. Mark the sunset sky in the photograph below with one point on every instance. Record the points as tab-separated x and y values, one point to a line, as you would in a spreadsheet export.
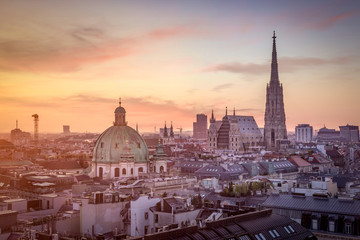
70	61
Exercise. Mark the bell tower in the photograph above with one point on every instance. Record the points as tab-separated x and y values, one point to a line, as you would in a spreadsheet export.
275	121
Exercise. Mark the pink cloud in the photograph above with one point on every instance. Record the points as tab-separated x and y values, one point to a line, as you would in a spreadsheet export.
89	45
324	22
288	64
160	34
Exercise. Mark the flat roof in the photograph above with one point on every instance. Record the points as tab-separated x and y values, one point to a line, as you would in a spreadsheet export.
6	212
51	195
14	200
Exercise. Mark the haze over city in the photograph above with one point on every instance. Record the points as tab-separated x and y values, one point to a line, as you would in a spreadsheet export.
69	62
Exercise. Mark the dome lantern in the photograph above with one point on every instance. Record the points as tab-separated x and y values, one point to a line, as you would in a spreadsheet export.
120	115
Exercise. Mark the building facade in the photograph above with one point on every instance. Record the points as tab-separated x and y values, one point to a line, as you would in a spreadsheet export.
200	127
233	132
275	126
328	135
304	133
349	133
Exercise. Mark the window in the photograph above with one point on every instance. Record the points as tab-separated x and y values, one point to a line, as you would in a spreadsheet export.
102	145
272	234
140	169
156	218
117	172
331	226
291	229
276	233
287	230
348	228
262	236
123	171
146	215
257	237
314	224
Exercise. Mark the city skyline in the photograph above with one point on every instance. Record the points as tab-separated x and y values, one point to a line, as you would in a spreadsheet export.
70	63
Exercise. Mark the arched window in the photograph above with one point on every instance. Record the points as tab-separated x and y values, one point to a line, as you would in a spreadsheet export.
141	169
117	172
154	168
123	171
132	171
101	172
161	169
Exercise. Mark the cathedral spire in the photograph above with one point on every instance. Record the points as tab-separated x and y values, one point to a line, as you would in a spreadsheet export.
275	120
171	131
165	131
274	65
226	111
234	112
212	119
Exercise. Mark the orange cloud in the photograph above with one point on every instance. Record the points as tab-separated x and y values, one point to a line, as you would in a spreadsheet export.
86	46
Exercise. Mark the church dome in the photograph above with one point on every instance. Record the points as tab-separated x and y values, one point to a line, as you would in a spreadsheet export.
120	142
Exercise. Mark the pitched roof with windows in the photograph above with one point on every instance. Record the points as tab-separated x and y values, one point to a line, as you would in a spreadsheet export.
314	204
254	225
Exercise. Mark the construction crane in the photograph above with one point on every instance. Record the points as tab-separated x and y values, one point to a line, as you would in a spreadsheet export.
36	129
180	128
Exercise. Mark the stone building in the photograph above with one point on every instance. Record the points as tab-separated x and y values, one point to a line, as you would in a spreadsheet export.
275	126
234	132
349	133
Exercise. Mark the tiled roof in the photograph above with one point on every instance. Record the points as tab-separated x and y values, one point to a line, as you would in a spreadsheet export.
314	204
299	161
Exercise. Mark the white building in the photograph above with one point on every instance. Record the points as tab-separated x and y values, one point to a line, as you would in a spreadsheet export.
102	213
304	133
138	221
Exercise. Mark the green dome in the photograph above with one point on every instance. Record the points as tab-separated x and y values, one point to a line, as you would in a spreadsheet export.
119	143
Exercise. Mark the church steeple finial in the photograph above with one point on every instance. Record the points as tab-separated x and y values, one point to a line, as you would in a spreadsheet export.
234	112
274	65
119	101
226	111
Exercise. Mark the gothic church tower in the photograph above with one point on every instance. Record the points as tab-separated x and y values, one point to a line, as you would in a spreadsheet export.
275	127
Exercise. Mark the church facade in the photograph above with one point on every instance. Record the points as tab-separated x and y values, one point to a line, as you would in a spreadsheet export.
275	126
120	152
234	132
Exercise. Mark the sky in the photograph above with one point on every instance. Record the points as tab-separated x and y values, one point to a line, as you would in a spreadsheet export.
70	61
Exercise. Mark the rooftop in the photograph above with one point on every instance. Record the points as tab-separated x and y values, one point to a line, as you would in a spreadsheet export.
314	204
